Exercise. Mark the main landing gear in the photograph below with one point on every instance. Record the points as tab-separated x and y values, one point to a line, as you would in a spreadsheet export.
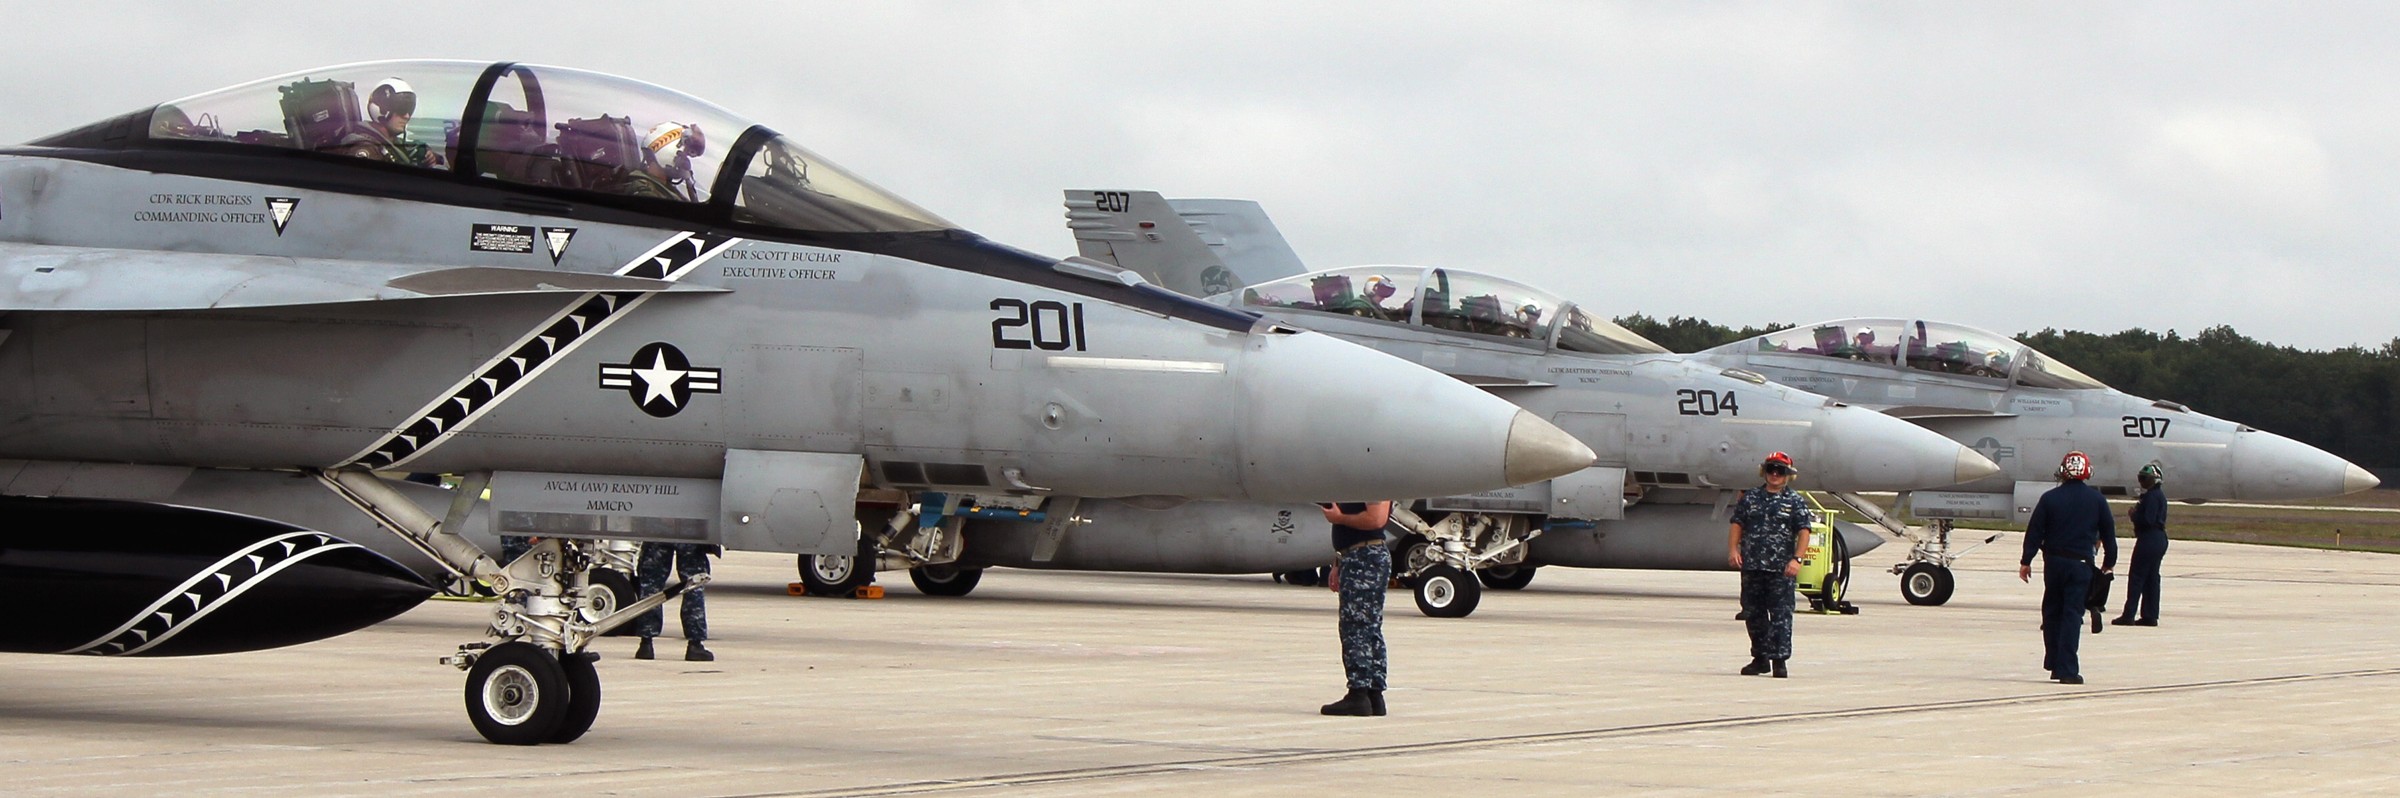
531	681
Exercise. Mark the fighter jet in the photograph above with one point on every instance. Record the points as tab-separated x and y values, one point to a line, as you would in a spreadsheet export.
1675	435
2024	410
2019	408
630	314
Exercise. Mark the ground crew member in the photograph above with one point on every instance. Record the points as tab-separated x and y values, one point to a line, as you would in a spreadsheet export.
1364	570
1769	523
2068	522
2149	517
651	575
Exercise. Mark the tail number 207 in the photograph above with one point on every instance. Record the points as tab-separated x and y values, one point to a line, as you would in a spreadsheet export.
1046	325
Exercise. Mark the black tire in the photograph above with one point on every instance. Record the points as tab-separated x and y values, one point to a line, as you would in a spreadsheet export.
1926	584
1837	578
1447	592
517	694
1506	577
945	580
583	696
621	585
838	575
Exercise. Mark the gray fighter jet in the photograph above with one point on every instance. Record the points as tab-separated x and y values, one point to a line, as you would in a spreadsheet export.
1675	435
2025	411
630	314
2019	408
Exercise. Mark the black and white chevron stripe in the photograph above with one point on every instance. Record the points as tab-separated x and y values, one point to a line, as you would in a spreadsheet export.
206	591
520	363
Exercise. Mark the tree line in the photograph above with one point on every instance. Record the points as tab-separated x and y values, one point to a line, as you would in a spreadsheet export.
2341	401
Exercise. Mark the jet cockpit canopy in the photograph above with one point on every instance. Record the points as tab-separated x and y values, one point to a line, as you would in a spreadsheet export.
553	128
1449	299
1928	346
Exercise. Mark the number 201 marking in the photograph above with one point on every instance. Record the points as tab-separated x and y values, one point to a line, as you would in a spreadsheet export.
1705	403
2146	426
1045	325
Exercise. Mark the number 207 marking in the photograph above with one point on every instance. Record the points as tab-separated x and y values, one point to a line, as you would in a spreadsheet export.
2146	426
1045	325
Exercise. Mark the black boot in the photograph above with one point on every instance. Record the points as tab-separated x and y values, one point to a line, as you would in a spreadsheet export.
1758	665
694	652
644	651
1376	697
1358	701
1779	674
2095	623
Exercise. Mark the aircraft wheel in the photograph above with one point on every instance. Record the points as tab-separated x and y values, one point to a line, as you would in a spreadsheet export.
944	580
583	696
1506	577
517	694
619	590
1412	559
1926	584
1444	591
838	575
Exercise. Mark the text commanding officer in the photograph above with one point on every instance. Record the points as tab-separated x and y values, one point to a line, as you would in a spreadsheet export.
2067	524
2149	518
1769	524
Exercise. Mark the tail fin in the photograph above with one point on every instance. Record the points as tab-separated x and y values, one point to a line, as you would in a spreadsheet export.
1243	238
1138	230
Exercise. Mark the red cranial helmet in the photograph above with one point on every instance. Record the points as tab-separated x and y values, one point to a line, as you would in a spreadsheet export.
1778	463
2076	465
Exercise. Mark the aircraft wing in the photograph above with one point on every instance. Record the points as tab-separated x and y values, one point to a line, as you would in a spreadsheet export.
47	277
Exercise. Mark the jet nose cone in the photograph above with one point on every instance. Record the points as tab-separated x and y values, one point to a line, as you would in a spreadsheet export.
1329	420
1972	465
1537	450
2270	466
2357	479
1860	449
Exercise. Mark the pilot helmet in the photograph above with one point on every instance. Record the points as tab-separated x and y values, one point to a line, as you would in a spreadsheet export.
2152	473
1777	463
2076	465
668	141
1379	286
392	97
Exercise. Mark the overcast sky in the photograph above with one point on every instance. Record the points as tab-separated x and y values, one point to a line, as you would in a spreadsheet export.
2080	165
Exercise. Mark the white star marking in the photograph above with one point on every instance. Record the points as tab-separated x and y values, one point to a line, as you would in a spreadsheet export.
658	381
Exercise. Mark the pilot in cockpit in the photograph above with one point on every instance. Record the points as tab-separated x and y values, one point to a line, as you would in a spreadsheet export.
385	137
1379	293
666	170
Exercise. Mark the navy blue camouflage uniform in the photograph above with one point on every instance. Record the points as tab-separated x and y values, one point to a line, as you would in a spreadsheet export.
1365	571
2068	522
2149	518
1772	523
651	577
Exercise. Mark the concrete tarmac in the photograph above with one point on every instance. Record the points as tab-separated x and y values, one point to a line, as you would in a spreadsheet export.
2275	671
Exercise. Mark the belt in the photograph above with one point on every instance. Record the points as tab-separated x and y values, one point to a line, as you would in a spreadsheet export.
1362	544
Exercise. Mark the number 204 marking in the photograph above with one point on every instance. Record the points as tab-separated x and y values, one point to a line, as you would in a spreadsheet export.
2146	426
1045	325
1705	403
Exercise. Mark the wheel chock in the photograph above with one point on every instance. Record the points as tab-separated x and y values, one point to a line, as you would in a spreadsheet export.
863	592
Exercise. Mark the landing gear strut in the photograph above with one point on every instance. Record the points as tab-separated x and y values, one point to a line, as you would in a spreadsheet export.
1925	577
531	680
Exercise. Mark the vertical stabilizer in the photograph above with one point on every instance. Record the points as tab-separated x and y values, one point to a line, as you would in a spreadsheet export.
1244	239
1138	230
